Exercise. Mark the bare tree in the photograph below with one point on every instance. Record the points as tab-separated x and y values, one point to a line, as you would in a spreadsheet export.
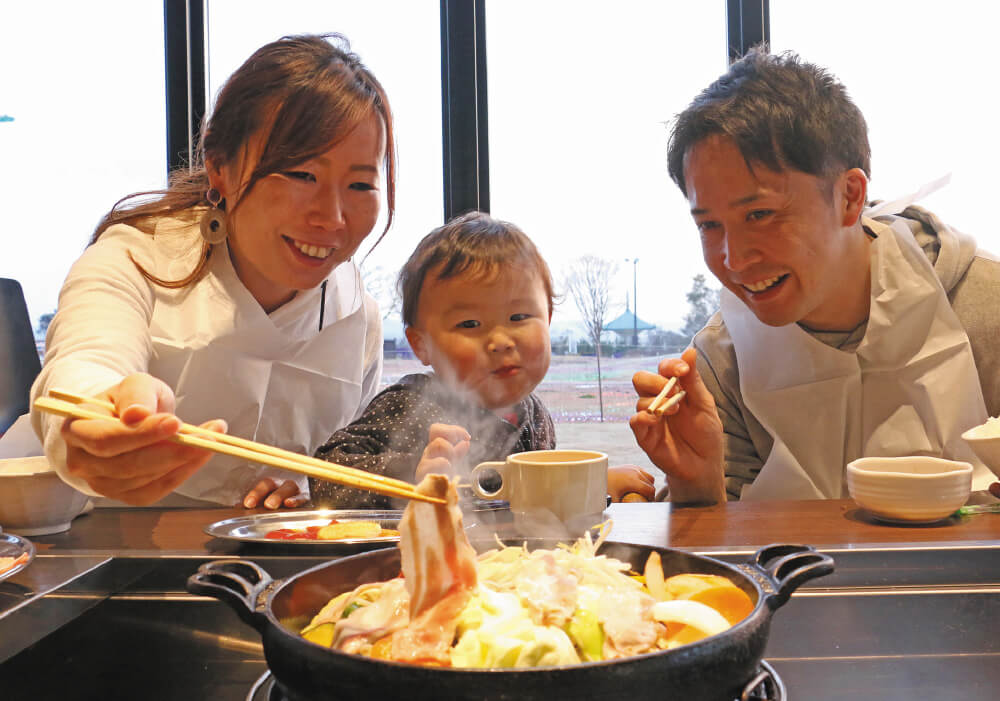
588	280
381	284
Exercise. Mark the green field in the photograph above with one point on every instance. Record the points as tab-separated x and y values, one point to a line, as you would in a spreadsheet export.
570	387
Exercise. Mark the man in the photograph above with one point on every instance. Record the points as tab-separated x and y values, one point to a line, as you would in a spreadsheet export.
841	333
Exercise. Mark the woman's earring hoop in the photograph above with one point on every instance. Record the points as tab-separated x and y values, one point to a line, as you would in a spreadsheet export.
213	222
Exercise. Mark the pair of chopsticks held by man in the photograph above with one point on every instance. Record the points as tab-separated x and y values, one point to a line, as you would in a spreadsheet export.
235	295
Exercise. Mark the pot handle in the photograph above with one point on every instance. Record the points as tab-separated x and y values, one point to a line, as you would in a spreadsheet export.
787	567
239	583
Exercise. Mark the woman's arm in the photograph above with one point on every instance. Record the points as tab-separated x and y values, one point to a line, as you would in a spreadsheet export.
99	344
100	333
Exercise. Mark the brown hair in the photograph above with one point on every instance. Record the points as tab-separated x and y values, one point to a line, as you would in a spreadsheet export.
475	241
303	94
782	113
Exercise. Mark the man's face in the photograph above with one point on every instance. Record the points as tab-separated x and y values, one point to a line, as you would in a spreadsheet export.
777	240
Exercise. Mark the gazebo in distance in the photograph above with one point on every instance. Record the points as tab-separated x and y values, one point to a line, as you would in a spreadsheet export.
628	324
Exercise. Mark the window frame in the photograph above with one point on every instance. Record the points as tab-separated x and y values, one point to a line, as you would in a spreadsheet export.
464	114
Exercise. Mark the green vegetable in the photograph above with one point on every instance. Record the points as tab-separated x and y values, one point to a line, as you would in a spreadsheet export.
350	608
586	631
495	630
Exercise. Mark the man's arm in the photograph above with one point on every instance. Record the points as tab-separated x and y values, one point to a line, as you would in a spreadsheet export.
743	437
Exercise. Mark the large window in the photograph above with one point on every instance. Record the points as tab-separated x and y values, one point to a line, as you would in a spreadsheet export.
81	125
581	96
399	40
920	72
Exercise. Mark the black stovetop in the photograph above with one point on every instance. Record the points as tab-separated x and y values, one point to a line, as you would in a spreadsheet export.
891	625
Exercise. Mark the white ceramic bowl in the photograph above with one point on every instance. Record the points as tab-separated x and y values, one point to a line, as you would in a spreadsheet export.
984	440
33	500
912	489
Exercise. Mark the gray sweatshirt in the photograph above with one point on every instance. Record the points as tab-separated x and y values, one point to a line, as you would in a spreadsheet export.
970	277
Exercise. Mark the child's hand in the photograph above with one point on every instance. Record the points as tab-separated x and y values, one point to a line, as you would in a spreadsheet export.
630	478
445	445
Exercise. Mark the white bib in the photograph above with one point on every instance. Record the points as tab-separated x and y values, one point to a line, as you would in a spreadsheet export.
910	388
283	385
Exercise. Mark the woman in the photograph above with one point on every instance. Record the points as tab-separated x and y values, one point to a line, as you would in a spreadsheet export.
233	293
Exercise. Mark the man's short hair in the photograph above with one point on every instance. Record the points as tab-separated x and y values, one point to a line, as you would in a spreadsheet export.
782	113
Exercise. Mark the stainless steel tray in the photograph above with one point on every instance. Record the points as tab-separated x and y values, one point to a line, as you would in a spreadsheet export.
253	528
14	546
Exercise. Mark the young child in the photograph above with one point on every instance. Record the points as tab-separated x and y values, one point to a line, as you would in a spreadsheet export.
477	302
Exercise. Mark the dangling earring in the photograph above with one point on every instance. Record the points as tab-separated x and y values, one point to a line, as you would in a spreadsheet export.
213	222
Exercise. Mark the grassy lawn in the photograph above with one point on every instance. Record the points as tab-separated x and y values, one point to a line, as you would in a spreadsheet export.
570	388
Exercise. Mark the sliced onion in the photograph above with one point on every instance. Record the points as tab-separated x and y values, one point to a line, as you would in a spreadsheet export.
653	575
691	613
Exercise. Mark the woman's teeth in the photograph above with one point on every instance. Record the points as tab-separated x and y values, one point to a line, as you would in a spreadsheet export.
312	251
763	284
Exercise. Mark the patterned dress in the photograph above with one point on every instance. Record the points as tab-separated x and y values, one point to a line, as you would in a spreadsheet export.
389	438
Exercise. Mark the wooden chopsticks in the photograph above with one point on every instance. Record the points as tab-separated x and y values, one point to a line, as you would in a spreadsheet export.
660	403
64	403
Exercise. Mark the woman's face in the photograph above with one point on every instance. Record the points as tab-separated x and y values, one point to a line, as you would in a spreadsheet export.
296	226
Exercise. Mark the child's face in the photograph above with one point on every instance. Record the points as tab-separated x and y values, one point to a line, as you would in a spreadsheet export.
486	334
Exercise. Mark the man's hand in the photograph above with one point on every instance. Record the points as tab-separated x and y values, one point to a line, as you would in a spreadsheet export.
686	442
446	444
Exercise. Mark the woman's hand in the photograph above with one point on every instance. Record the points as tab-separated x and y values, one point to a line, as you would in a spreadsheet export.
686	442
273	495
133	460
626	479
446	444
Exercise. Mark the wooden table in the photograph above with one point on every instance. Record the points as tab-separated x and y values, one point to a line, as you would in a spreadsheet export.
738	524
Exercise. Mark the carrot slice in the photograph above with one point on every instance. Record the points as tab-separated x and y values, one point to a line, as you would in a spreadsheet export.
715	591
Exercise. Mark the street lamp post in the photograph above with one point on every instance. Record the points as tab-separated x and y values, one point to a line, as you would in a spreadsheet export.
635	302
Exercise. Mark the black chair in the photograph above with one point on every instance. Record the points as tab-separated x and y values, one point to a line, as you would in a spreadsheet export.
19	364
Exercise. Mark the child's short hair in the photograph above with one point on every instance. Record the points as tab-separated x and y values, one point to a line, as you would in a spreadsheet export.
472	240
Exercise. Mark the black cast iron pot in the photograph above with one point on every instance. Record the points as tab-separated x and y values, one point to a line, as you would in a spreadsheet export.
717	668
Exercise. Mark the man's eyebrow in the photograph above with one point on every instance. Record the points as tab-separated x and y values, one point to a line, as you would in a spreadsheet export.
735	203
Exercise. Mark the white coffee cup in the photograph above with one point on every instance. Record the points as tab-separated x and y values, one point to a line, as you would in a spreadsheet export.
567	487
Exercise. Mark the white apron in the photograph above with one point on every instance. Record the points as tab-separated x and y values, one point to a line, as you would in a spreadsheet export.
910	388
283	385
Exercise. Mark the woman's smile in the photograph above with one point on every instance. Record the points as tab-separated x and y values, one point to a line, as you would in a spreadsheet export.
310	254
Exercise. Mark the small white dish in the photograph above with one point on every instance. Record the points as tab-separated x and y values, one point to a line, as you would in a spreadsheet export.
910	489
33	500
984	440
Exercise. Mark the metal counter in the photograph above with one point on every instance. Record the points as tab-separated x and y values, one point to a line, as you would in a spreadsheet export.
891	623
